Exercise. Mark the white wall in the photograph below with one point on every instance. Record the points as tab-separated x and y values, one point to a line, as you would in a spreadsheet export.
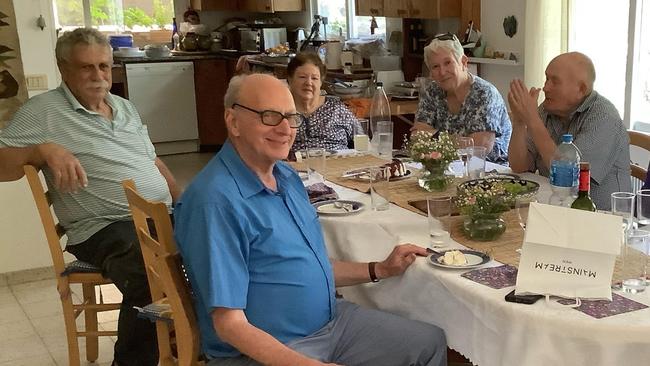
22	242
492	14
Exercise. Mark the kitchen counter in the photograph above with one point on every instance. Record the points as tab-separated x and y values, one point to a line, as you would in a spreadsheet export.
117	61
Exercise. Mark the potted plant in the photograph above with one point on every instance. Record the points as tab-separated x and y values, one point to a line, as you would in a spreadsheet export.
483	203
435	155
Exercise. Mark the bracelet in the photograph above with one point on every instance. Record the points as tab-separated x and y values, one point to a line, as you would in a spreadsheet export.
371	271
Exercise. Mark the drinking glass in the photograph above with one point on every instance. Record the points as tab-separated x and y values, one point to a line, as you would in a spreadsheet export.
637	257
385	134
643	207
522	204
439	215
465	144
316	163
361	139
623	206
379	189
476	162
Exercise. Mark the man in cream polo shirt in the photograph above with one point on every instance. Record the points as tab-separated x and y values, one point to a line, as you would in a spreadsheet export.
87	141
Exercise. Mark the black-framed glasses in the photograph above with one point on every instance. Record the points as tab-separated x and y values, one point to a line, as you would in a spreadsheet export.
446	37
274	118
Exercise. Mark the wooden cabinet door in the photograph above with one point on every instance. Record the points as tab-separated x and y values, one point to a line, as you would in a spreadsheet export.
288	5
231	5
370	7
257	6
434	9
211	78
397	8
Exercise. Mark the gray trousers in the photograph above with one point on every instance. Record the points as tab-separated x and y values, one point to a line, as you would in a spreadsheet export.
358	336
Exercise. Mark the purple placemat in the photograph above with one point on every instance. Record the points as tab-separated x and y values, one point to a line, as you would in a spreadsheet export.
603	308
495	277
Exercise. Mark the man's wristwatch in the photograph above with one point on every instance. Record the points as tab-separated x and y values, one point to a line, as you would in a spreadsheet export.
371	272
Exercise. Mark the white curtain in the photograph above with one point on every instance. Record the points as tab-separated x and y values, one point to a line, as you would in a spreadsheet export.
546	30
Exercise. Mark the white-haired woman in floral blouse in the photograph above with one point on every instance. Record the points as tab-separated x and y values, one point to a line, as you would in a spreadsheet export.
327	122
461	103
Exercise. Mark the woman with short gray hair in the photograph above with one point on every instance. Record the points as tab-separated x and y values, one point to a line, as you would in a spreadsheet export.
461	103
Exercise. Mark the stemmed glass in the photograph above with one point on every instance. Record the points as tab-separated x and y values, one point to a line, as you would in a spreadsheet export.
465	146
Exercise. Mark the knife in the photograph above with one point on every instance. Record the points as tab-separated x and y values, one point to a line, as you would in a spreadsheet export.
355	172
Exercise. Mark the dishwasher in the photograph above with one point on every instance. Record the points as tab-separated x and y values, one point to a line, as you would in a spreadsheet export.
163	93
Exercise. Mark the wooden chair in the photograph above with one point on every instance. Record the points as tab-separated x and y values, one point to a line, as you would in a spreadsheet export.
74	273
641	140
167	281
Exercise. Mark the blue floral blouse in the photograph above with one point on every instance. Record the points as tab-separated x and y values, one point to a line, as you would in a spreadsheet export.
331	126
482	110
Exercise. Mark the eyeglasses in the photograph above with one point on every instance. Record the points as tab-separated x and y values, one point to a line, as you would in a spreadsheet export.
446	37
274	118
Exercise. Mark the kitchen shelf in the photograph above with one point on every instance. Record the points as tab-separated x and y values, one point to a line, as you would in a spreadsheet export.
493	61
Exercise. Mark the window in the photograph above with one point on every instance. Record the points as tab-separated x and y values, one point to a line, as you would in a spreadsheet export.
343	20
640	93
149	20
606	48
621	57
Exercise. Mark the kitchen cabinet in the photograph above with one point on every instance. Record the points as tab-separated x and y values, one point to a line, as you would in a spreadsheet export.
397	8
231	5
369	7
256	6
211	77
431	9
434	9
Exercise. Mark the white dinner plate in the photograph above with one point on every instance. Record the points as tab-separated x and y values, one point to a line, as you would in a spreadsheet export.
345	207
474	259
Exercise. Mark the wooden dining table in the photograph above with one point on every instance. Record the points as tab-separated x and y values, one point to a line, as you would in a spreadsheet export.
477	321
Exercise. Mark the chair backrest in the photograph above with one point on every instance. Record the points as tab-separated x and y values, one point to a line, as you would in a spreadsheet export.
166	277
638	172
53	231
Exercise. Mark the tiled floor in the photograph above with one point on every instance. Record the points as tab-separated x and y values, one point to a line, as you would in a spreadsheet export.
31	320
32	328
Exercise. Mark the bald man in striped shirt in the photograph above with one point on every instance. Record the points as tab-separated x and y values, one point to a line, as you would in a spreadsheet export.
86	141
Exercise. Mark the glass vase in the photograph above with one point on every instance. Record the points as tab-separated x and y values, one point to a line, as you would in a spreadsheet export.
484	226
433	178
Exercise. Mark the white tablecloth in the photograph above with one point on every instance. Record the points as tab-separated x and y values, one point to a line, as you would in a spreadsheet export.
477	320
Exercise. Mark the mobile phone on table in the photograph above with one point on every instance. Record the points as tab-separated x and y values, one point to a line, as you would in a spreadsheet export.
522	299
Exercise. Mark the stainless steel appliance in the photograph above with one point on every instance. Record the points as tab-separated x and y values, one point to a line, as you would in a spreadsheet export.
258	37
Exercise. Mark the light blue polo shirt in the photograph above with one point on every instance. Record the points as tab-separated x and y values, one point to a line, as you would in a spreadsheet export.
109	152
248	247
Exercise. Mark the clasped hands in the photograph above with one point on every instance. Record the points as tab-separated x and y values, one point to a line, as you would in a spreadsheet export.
523	102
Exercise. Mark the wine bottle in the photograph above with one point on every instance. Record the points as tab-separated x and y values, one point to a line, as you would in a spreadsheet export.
175	36
584	202
468	32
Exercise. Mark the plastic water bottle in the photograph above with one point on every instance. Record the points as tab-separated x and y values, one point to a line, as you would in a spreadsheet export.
564	172
379	111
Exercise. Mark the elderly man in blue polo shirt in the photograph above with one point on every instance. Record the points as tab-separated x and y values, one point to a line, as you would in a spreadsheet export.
254	251
571	105
87	141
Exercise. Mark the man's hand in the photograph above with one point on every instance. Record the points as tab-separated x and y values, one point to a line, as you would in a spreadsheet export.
523	102
68	173
421	126
399	260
